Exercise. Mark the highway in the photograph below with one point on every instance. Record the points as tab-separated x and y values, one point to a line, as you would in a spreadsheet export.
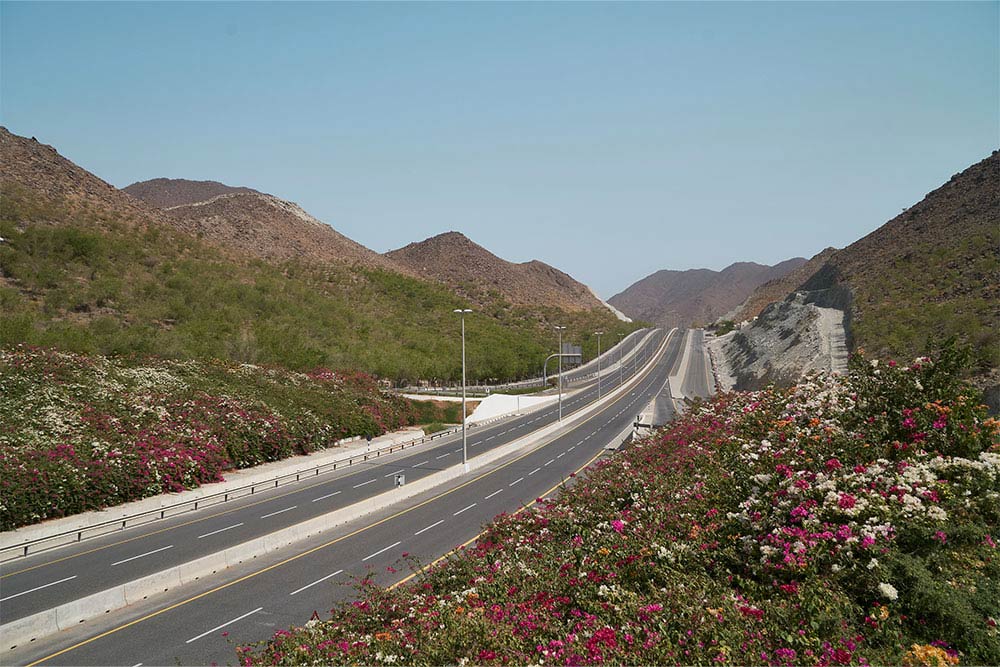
186	625
47	579
698	381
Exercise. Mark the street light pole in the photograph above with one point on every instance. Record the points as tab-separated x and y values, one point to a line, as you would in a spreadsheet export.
560	330
621	364
598	334
465	435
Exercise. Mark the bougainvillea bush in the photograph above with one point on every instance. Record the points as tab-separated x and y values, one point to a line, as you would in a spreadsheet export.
846	521
84	432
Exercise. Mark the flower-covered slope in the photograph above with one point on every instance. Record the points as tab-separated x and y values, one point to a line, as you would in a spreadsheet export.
79	433
846	521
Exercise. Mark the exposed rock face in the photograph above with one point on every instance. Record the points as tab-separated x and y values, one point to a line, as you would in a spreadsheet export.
927	274
778	288
481	276
698	296
169	192
26	163
788	340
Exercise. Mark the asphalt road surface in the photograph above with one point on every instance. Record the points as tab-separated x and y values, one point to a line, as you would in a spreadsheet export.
186	625
51	578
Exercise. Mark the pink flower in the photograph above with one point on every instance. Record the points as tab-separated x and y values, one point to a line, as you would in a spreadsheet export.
846	501
618	525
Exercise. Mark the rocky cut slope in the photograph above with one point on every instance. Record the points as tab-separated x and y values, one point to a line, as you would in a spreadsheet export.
482	277
930	273
697	296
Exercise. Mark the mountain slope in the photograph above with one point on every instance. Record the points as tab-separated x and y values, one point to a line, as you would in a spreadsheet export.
54	180
168	192
255	223
931	272
697	296
86	268
482	277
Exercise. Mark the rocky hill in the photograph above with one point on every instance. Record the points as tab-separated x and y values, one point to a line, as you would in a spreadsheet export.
270	228
482	277
930	273
87	268
697	296
778	288
26	164
168	192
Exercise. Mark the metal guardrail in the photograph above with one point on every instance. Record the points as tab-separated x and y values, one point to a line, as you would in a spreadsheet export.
27	547
114	525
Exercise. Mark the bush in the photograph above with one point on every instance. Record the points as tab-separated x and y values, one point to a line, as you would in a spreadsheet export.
809	526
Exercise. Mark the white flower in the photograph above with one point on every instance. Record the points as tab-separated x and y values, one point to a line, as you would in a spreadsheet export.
888	591
873	564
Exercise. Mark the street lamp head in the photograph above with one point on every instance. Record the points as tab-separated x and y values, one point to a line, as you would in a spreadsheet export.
559	328
462	310
598	333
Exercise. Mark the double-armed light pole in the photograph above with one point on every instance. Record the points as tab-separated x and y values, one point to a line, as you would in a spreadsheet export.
465	435
598	334
560	330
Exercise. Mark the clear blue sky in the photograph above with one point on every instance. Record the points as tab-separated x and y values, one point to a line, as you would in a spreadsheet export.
610	140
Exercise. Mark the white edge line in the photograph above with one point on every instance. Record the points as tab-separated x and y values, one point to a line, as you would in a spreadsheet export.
380	551
429	527
316	582
219	627
37	588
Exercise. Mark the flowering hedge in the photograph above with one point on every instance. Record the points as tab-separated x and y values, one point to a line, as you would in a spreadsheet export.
79	433
845	521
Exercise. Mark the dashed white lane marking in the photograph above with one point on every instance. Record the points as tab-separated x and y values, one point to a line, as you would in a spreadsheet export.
550	461
519	479
369	557
417	465
392	473
358	486
457	450
444	455
463	509
490	438
148	553
219	627
138	664
37	588
221	530
318	581
329	495
492	494
533	472
438	523
287	509
561	455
